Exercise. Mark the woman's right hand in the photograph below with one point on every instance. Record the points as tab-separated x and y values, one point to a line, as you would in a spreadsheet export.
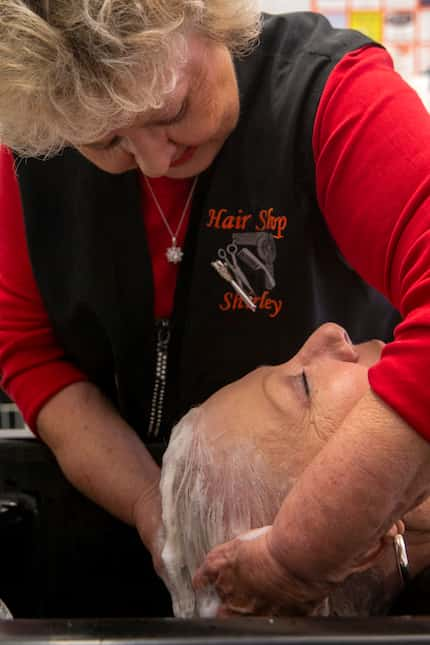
249	580
149	525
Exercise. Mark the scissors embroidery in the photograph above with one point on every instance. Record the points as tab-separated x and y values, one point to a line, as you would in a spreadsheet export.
228	256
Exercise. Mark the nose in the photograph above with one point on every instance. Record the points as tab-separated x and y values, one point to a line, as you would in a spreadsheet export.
151	148
331	339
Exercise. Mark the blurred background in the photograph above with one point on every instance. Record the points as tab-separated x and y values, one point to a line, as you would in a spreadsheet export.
403	26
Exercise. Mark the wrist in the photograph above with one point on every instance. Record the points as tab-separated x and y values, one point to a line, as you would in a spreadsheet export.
147	516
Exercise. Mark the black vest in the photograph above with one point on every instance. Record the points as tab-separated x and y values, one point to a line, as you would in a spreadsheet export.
90	257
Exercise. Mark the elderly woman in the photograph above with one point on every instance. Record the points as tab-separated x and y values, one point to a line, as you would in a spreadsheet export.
232	461
291	182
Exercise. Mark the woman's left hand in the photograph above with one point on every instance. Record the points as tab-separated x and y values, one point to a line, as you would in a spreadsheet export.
249	581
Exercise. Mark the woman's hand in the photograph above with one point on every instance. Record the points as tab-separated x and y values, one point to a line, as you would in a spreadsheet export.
148	522
249	580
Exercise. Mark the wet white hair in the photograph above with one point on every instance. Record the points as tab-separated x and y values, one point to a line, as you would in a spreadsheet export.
211	495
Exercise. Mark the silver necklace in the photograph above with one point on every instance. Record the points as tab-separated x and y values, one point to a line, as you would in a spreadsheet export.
174	253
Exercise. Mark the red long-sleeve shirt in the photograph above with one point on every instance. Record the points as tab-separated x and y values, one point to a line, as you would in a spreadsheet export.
372	153
380	228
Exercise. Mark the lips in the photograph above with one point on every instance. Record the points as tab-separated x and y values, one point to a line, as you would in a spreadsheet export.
185	156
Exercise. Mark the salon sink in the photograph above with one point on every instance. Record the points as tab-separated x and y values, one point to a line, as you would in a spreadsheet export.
60	554
243	631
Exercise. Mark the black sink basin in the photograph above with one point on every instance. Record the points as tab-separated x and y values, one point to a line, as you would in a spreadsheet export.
243	631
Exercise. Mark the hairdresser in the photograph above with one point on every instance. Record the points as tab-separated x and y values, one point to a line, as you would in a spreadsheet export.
187	191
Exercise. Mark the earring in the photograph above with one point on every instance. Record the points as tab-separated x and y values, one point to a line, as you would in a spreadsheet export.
402	558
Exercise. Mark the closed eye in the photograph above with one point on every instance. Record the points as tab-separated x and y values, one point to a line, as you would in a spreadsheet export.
179	115
306	384
113	143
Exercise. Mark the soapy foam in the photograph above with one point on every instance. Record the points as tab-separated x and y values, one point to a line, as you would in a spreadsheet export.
253	535
205	502
177	580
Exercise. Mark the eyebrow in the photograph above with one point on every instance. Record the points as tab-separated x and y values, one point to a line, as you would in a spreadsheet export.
289	383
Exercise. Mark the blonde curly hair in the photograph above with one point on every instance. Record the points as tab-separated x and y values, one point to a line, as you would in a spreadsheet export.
73	70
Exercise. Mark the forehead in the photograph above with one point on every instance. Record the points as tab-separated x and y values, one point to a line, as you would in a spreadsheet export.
247	418
247	409
231	400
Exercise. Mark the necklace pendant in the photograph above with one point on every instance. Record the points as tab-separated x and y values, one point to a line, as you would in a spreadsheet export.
174	254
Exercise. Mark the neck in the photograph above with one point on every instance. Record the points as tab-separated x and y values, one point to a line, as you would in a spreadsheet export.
372	592
418	545
417	536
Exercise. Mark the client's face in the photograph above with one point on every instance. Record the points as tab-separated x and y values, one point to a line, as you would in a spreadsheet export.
300	402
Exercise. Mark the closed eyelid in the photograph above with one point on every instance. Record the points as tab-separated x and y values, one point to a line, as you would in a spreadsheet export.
177	117
306	383
114	142
285	389
299	386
